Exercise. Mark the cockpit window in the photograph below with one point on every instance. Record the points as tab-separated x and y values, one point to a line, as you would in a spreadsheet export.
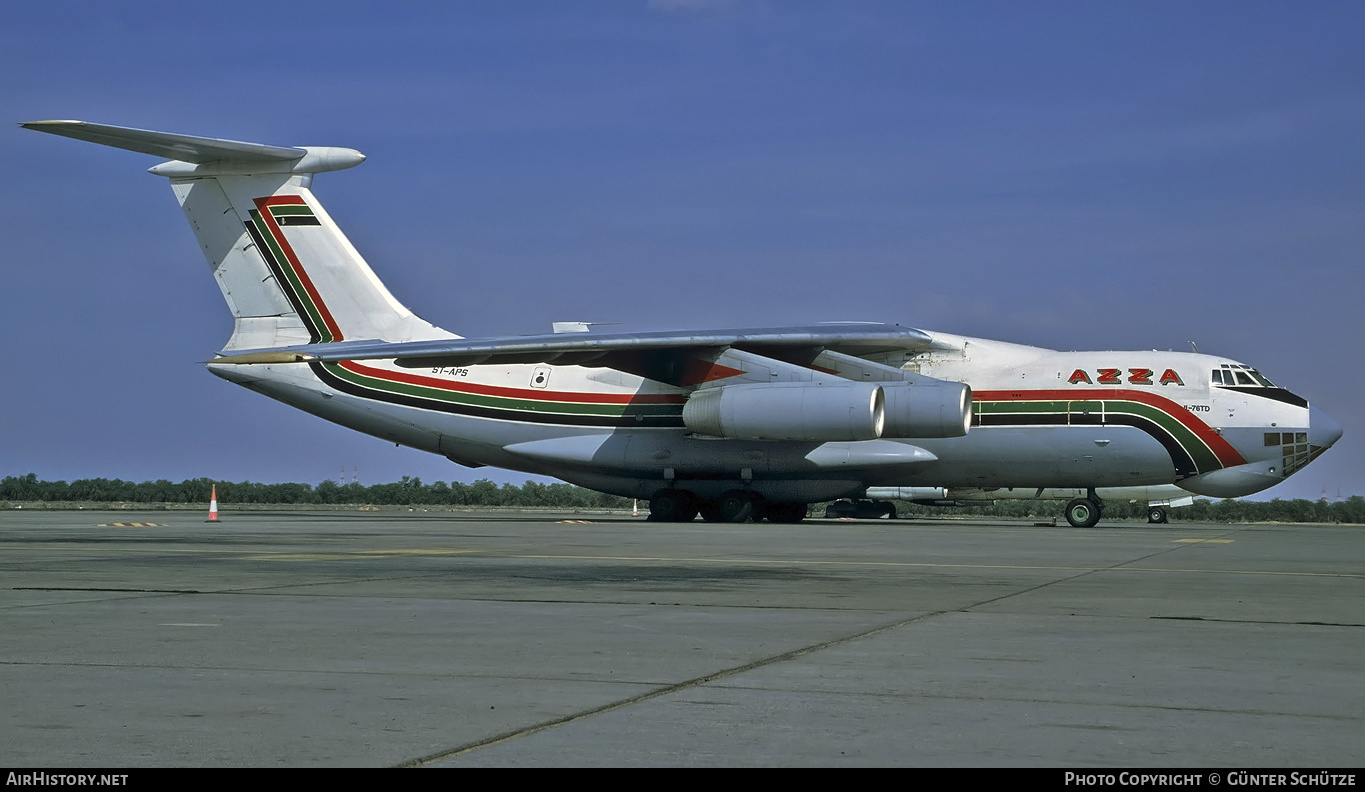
1237	375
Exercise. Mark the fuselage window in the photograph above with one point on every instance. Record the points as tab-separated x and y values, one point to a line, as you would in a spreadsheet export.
1217	376
1244	378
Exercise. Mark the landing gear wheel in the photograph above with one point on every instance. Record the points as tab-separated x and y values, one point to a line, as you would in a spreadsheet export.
672	505
1156	515
737	506
786	512
709	510
1083	513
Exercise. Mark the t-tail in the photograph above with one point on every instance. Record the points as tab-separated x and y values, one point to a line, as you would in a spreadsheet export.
287	272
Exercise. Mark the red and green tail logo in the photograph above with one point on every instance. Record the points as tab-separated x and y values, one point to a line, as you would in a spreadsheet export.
266	229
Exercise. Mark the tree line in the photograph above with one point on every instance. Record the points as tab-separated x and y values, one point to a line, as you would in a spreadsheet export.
407	492
413	492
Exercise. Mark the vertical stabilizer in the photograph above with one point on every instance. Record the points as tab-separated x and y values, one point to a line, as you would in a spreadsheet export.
288	274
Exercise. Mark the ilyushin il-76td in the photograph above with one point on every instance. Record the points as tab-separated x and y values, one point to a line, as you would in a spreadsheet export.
731	424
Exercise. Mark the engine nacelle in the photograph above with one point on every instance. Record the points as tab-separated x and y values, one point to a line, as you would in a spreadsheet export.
789	411
934	409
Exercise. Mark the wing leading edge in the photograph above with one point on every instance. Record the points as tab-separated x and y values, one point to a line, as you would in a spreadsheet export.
599	349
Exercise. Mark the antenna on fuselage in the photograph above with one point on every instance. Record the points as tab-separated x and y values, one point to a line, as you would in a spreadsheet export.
1194	347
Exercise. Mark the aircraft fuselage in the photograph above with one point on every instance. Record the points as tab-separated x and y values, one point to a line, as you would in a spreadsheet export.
1040	418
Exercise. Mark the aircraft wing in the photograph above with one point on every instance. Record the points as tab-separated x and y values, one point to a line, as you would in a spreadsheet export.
626	351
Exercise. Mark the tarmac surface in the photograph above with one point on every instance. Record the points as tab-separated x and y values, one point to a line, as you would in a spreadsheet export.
449	639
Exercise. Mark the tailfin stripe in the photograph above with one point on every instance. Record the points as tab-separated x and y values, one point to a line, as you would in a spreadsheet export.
288	287
306	292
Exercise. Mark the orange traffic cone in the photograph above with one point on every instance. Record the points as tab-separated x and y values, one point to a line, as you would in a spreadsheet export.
213	505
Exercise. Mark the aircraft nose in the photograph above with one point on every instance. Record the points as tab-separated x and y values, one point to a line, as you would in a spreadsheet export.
1323	429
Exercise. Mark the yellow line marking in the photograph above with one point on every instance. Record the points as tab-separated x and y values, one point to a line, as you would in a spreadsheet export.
131	525
1205	541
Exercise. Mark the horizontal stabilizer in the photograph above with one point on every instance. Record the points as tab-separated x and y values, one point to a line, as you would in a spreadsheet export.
201	157
185	148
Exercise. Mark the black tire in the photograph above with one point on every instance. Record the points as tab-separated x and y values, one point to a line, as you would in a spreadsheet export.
1157	515
709	511
736	506
1083	513
672	505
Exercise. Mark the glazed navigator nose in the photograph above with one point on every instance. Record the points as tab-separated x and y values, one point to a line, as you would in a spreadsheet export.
1323	430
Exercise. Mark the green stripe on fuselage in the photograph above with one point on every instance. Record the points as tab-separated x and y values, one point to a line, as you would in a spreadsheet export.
1200	452
511	404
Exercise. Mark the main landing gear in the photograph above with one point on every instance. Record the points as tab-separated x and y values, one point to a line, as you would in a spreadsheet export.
735	506
671	505
1085	512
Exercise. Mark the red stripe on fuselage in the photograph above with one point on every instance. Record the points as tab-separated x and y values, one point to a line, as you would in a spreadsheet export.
1221	448
513	393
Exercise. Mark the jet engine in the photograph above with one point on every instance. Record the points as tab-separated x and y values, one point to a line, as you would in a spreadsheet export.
838	411
928	409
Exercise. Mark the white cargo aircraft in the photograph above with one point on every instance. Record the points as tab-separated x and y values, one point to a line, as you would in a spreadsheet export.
734	424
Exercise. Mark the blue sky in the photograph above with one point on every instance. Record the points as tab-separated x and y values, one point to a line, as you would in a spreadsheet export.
1066	174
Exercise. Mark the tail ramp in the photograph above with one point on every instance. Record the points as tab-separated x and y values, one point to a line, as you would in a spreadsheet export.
287	272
